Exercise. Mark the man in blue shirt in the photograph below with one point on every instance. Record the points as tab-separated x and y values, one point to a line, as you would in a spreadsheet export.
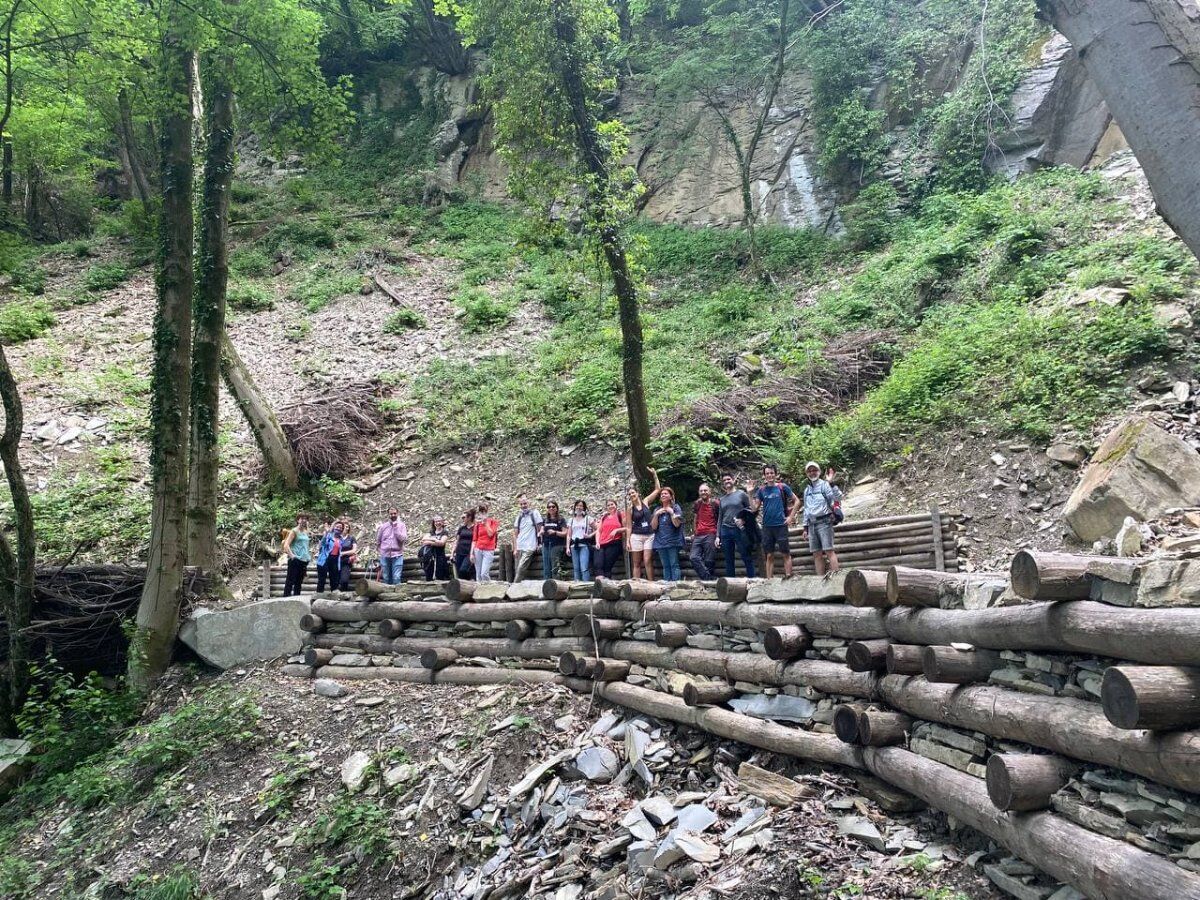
778	504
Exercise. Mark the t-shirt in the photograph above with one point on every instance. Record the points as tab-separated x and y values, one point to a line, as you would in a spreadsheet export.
300	546
347	550
639	520
580	526
484	535
732	505
554	540
669	534
609	523
706	517
774	499
526	528
462	546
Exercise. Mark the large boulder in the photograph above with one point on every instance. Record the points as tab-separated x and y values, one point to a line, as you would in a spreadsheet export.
1141	471
266	629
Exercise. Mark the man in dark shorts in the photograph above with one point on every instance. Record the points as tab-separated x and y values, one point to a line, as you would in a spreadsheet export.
778	504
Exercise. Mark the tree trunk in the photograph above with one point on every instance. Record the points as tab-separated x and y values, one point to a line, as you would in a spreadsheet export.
946	665
17	590
128	136
612	243
1161	698
1021	782
1100	867
1075	728
212	279
6	173
1155	636
158	611
443	48
1143	55
787	642
268	433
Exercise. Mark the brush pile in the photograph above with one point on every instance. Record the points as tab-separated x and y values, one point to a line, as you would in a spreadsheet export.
329	430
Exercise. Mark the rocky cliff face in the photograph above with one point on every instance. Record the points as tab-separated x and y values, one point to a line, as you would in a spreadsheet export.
1056	117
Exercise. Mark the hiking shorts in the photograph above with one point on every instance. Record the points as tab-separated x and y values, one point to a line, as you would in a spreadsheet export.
775	539
820	534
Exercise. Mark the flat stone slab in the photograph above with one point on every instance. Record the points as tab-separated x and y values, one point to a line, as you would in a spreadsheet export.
13	754
266	629
810	588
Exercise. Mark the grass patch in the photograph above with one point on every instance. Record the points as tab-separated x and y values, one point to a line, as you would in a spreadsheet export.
104	277
22	319
250	262
247	297
324	284
403	320
479	311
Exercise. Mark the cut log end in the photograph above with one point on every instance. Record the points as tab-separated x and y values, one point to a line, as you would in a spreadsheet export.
438	657
732	590
1153	697
568	662
518	629
905	659
882	727
707	693
458	590
391	628
866	587
867	656
670	634
1024	575
845	724
312	623
787	641
1021	782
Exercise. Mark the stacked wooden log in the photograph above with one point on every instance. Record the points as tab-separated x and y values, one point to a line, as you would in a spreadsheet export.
877	670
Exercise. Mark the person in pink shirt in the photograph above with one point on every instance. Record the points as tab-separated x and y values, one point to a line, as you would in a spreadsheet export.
390	538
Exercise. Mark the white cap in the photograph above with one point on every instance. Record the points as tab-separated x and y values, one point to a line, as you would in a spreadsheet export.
812	465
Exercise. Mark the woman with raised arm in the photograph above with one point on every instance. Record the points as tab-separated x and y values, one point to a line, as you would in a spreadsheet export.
640	542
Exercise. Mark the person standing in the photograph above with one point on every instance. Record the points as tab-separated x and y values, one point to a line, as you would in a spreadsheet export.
778	504
296	546
527	530
347	557
641	532
390	538
731	530
463	567
483	543
821	496
705	513
327	556
433	551
554	541
581	530
668	535
610	537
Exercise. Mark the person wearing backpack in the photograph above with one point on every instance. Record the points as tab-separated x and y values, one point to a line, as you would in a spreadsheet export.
527	531
822	510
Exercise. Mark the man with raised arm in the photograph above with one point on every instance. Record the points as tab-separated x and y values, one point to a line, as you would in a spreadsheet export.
821	496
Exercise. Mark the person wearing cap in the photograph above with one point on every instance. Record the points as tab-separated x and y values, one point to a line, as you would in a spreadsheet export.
820	497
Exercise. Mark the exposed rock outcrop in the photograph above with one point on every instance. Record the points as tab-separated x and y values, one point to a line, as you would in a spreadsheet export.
1140	470
263	630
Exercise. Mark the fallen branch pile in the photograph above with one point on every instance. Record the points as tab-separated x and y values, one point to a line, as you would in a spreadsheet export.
329	430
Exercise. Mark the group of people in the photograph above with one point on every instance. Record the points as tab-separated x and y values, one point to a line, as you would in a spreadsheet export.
643	527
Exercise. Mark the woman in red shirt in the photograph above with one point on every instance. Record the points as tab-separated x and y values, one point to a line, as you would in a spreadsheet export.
483	543
610	537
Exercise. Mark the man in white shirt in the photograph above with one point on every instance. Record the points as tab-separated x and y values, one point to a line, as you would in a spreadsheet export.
528	531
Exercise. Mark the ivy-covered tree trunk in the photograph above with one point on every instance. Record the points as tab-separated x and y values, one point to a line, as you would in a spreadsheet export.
6	153
16	569
268	433
158	611
208	312
1144	56
612	242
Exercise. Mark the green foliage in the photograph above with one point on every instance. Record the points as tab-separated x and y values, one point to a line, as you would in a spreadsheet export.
480	311
249	262
246	296
274	507
17	878
322	285
403	320
28	276
22	319
322	880
873	215
283	787
217	719
104	276
853	142
69	719
359	824
179	883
